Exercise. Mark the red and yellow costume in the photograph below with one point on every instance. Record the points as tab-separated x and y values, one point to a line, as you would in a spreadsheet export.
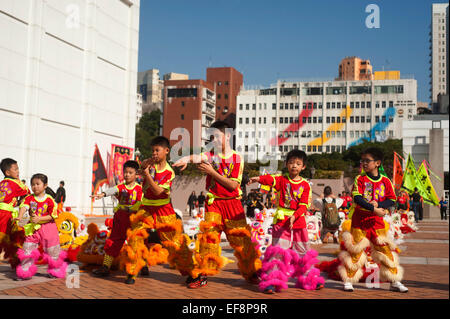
155	213
224	212
369	230
11	235
129	202
45	234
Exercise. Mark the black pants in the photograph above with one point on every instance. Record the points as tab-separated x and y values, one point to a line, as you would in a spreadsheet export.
420	212
443	213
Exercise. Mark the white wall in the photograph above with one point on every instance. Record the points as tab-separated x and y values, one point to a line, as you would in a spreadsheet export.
67	82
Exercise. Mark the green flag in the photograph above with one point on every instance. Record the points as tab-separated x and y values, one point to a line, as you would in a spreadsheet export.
426	188
409	177
382	171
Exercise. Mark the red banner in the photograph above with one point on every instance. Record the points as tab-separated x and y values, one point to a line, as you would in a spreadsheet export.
119	155
99	176
397	177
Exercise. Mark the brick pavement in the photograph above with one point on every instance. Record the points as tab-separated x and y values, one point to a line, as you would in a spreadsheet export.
424	280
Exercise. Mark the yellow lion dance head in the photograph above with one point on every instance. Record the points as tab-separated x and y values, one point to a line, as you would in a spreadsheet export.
67	223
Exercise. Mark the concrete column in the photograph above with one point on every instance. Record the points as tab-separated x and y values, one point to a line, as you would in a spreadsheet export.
436	160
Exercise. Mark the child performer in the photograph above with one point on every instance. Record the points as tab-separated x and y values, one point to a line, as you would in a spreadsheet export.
156	213
373	194
40	230
11	190
129	195
224	211
295	194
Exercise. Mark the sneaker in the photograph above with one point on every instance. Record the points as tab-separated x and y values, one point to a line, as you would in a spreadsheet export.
269	289
130	280
348	286
198	282
21	279
144	271
101	272
189	279
319	286
398	286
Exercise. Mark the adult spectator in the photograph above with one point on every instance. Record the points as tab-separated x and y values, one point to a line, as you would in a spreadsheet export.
191	202
443	205
60	197
201	199
403	200
416	204
329	204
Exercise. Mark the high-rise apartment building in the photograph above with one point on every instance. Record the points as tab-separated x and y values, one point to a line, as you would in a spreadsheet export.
439	77
150	86
227	83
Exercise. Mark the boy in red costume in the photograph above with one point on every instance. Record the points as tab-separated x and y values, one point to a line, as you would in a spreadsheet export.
224	212
129	195
156	213
11	190
373	194
40	230
289	219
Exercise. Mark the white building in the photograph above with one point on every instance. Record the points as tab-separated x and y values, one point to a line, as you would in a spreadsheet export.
317	117
67	82
138	107
439	52
416	137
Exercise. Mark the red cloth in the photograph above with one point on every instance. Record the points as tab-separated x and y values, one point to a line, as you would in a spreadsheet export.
10	191
230	209
43	207
371	190
163	179
129	196
293	195
231	167
121	222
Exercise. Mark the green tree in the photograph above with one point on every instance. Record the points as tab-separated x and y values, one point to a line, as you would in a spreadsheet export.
147	128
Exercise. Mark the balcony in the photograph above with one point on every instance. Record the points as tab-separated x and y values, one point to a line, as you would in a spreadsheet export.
208	109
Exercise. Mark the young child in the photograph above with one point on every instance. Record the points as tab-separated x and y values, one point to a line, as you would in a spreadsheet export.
11	190
156	213
40	230
373	194
224	211
129	195
289	219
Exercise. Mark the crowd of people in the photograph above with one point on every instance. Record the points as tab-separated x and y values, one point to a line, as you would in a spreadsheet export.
147	208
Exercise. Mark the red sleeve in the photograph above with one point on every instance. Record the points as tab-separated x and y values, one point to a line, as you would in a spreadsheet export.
389	191
267	180
52	208
304	201
26	202
238	169
166	182
358	187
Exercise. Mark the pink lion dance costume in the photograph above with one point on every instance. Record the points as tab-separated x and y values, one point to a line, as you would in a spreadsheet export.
45	234
281	264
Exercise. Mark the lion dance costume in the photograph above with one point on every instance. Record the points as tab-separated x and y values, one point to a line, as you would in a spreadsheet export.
11	235
45	234
280	260
224	213
369	230
155	213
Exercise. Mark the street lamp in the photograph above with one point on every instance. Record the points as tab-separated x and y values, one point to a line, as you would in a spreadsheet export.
137	154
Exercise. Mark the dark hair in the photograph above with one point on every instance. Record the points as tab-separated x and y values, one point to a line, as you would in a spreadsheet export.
327	191
62	182
160	141
132	164
296	154
220	125
6	164
375	152
40	176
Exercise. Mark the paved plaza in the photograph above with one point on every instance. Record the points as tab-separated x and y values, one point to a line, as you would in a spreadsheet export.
424	257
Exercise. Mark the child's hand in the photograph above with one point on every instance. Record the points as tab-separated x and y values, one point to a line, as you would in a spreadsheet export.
206	168
379	211
98	196
146	163
35	219
374	203
253	180
291	221
181	163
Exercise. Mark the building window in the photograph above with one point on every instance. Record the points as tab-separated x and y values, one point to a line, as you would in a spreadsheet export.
309	119
247	106
219	83
253	120
333	119
377	104
182	116
291	106
391	119
309	148
391	103
338	105
328	105
363	105
253	106
377	119
352	134
226	96
259	120
357	105
356	119
352	105
328	134
246	148
333	105
314	119
274	120
344	119
320	105
328	119
383	104
319	148
383	119
240	134
338	119
274	106
296	106
303	120
319	119
391	133
291	120
281	120
218	96
240	120
247	120
363	119
352	119
182	103
240	107
328	149
368	105
264	120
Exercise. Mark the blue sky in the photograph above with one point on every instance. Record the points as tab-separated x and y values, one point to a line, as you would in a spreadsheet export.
270	40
